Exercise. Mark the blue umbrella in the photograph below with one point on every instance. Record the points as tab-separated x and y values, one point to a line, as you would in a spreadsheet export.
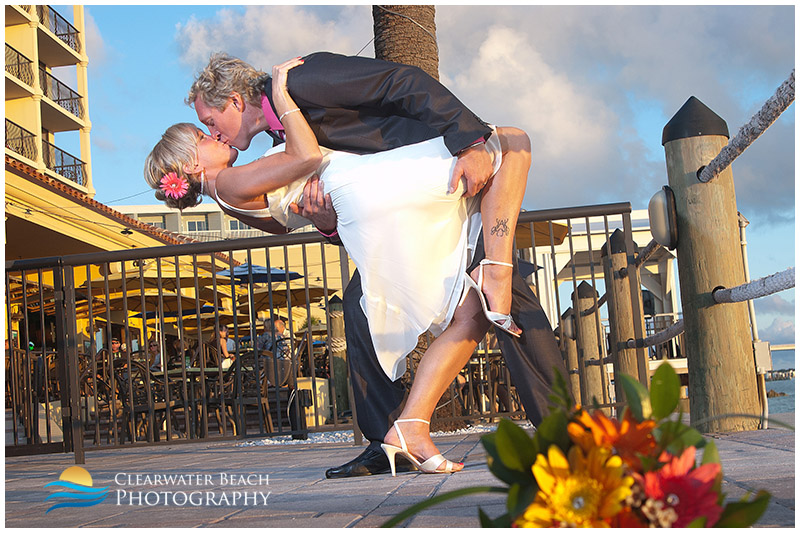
260	274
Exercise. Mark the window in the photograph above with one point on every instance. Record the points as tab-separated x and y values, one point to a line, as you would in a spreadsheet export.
236	225
154	220
197	225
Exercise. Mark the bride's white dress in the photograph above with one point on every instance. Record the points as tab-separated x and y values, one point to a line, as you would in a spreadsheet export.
410	240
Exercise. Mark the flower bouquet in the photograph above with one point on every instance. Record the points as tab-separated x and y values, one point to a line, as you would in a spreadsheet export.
585	469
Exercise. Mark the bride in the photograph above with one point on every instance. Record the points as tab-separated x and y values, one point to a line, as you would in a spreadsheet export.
411	240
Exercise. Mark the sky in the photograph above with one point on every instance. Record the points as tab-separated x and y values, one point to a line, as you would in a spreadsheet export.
592	86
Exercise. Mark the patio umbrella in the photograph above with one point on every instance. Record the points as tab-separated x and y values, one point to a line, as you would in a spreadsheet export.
260	274
132	280
297	292
541	234
151	301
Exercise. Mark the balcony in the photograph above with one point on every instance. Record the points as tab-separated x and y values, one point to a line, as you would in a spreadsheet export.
18	14
65	49
64	164
20	140
59	93
21	68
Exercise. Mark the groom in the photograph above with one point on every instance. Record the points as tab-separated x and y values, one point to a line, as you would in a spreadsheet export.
366	105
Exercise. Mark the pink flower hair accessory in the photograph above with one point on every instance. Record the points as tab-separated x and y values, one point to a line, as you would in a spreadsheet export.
174	186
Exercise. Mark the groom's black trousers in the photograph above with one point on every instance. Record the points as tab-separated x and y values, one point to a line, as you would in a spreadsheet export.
531	359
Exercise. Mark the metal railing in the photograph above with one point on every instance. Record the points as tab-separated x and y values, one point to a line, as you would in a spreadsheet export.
61	313
60	93
57	24
63	163
20	140
19	66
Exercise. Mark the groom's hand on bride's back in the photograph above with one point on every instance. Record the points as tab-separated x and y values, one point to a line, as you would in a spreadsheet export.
474	165
317	206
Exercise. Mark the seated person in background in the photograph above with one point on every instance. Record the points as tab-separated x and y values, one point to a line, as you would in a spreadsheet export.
279	345
226	357
154	356
267	345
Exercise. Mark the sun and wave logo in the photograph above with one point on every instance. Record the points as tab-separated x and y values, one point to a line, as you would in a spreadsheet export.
79	490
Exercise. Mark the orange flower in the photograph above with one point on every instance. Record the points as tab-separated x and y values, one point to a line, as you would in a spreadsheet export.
626	438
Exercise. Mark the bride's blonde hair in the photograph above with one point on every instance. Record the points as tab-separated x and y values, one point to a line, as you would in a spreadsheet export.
176	149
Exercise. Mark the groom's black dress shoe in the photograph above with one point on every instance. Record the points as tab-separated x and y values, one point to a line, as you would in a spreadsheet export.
370	462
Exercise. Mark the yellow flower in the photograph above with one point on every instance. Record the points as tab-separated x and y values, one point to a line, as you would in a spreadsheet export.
579	491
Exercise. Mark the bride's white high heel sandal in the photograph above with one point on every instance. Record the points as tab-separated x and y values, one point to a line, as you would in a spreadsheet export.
504	322
430	466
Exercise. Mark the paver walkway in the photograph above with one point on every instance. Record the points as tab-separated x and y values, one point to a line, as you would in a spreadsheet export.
298	495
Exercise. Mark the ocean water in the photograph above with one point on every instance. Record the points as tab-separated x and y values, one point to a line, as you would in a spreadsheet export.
781	404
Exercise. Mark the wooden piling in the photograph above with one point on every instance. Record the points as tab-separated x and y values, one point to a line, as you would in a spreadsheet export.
621	317
722	378
590	354
569	349
338	347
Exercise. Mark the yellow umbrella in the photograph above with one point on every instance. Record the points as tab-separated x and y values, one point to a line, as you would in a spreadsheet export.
297	290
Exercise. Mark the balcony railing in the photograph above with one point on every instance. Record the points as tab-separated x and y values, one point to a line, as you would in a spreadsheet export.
57	24
60	93
20	140
19	66
64	164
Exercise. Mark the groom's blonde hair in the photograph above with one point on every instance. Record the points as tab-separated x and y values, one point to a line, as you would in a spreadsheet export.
224	75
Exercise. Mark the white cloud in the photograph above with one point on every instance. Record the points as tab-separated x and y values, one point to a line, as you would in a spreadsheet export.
95	45
774	304
779	332
266	35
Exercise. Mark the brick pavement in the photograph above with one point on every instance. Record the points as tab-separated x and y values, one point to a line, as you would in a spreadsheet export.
298	495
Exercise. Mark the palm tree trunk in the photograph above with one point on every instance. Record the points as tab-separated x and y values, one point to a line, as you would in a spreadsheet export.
407	34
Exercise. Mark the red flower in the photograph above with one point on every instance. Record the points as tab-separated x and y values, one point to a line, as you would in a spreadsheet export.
174	186
686	489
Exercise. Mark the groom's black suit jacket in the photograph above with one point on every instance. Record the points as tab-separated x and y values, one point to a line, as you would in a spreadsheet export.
365	105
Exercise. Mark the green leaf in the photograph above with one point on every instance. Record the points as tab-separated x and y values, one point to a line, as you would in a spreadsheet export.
700	521
744	513
520	497
421	506
484	519
497	467
665	391
638	397
515	448
561	397
710	454
552	430
513	496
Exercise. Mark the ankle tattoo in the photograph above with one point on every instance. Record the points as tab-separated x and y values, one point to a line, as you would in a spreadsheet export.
500	228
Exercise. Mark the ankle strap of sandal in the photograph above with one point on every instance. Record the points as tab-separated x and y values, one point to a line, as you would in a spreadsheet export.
493	262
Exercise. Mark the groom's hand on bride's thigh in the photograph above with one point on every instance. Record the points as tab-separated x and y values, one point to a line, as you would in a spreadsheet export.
317	206
474	165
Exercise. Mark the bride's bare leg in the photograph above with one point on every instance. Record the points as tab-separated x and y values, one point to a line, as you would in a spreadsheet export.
440	365
500	205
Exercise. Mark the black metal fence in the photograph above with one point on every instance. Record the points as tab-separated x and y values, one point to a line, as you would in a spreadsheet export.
20	140
69	387
60	93
60	26
63	163
19	66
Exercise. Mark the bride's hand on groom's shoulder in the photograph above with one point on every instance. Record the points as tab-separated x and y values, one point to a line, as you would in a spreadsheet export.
280	73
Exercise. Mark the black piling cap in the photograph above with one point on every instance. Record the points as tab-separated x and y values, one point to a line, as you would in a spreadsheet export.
694	119
617	241
586	291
